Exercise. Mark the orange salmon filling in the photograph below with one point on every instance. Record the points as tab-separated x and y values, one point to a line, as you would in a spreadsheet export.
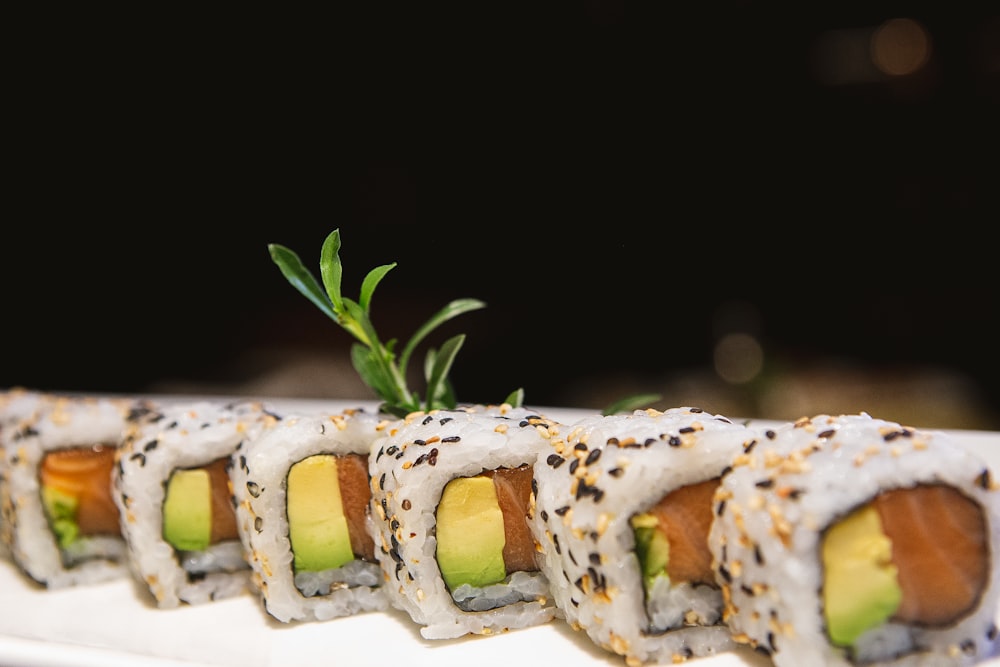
940	549
85	474
355	494
513	486
684	516
223	514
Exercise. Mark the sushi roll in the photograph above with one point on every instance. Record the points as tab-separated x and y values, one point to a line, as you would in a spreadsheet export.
301	493
171	486
450	493
17	405
850	540
623	507
60	521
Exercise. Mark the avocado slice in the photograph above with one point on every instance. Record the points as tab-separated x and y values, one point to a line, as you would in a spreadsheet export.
470	533
187	510
60	507
652	548
860	585
317	527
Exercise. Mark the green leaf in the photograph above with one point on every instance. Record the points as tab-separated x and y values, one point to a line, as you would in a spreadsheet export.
300	278
453	309
630	403
515	398
440	368
331	269
371	281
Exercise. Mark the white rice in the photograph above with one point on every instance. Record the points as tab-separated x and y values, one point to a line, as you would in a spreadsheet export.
605	471
409	468
47	423
259	475
185	435
800	479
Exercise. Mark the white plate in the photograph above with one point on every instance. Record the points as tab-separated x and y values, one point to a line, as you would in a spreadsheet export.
115	625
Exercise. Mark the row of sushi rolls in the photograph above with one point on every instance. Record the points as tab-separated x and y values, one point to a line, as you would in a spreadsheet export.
660	535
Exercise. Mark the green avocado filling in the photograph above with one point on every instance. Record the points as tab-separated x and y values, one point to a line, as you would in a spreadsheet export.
860	586
187	510
652	548
470	533
61	508
317	526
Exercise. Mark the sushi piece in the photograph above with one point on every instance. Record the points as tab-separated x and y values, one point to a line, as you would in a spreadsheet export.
849	540
623	506
60	522
301	492
450	494
171	486
17	405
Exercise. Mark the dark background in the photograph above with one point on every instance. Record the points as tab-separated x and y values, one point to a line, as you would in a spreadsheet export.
610	179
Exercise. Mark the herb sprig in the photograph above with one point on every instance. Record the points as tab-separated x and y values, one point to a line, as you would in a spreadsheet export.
376	362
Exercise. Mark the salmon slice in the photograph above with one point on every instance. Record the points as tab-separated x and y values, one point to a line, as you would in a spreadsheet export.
223	514
513	486
685	516
355	493
85	473
940	549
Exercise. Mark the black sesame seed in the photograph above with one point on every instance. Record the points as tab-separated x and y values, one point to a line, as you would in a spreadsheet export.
592	456
555	460
452	438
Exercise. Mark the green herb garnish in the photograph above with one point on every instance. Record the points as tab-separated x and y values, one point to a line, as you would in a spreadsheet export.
376	362
630	403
